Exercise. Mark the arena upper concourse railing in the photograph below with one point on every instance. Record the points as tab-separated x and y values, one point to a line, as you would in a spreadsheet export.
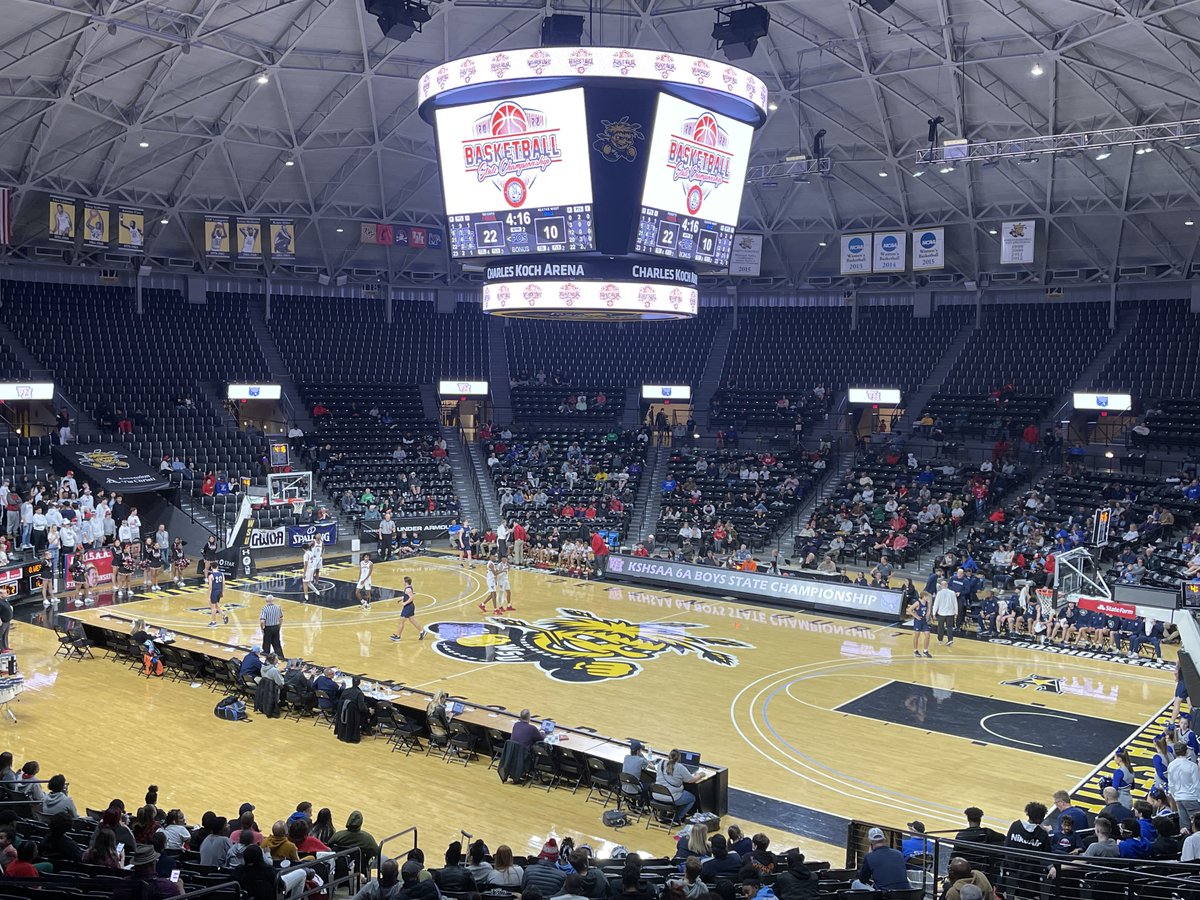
1025	875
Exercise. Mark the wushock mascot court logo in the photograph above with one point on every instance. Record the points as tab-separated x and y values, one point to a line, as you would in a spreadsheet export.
578	646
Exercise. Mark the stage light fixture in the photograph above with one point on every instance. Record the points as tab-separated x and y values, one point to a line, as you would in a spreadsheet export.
560	30
398	19
880	6
738	29
818	147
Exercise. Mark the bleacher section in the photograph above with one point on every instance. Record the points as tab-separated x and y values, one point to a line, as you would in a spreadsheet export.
353	452
531	477
333	340
580	354
114	362
534	402
750	494
1037	350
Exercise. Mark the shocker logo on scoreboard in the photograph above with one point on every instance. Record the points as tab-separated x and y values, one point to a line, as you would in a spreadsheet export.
510	147
700	158
578	646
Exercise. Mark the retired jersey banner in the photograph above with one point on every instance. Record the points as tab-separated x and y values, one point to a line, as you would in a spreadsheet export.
131	228
283	240
216	237
890	247
1017	242
856	254
929	249
249	238
95	226
62	220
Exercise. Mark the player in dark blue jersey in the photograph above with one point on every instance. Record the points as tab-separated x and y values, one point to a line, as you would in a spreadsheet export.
216	590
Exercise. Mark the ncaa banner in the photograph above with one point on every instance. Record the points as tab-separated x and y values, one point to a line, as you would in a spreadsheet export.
1016	242
249	238
856	254
268	538
283	240
303	535
216	237
890	247
95	226
62	220
131	228
929	249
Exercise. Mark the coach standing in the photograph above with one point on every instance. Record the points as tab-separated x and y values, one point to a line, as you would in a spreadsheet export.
271	620
945	611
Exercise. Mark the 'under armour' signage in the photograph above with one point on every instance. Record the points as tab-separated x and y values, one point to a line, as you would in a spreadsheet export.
755	585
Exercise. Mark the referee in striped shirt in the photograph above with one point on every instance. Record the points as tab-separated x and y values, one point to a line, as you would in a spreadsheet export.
270	620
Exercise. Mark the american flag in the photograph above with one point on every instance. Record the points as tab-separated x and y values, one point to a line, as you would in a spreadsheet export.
5	216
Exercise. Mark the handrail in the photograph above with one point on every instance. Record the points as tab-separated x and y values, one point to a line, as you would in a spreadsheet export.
392	837
212	888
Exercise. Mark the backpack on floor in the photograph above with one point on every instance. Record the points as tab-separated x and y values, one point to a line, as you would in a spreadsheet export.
231	708
614	818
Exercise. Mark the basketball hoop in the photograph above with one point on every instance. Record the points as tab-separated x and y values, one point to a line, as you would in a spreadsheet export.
297	506
1045	599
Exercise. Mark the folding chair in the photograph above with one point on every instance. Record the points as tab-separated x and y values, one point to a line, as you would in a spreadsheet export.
601	781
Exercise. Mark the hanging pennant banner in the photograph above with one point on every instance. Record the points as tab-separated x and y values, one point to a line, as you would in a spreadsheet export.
929	249
131	228
95	226
433	238
745	257
856	254
249	238
890	247
283	240
368	233
216	237
62	220
1016	242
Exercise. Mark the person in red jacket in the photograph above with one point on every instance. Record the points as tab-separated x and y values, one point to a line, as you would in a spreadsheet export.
599	551
520	537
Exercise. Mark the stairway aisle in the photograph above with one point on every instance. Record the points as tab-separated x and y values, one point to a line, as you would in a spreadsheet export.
648	502
485	489
822	491
280	373
710	378
498	377
463	476
916	402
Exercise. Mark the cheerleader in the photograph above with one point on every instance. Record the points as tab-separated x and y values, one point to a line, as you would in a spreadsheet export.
125	567
152	564
179	561
1160	761
1123	778
79	575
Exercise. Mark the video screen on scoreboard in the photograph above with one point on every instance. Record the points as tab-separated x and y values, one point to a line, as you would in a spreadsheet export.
694	180
516	175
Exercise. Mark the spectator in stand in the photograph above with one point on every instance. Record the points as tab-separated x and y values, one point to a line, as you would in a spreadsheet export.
1027	834
960	875
883	867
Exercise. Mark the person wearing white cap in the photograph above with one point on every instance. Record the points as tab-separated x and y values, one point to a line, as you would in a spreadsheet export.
883	866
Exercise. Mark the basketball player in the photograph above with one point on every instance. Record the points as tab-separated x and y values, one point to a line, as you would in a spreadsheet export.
283	241
464	545
249	234
504	590
216	589
312	567
408	611
919	610
95	225
366	567
492	572
62	222
217	238
135	233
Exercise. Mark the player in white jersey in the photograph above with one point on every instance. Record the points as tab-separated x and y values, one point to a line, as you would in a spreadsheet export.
62	222
492	571
217	238
135	233
504	589
366	567
249	235
312	566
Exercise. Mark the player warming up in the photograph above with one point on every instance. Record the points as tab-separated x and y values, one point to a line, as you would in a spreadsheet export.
216	589
312	567
366	567
408	611
493	573
464	545
503	589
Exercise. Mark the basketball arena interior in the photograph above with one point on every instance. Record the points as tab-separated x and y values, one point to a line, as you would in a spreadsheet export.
640	449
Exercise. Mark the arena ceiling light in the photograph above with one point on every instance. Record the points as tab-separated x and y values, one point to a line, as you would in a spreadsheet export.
1036	70
1145	138
738	29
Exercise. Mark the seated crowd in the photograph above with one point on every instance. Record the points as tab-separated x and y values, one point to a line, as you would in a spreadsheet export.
558	484
728	503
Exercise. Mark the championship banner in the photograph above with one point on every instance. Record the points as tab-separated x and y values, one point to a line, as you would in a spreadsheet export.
62	220
283	240
303	535
1016	242
249	238
745	258
95	226
268	538
216	237
111	467
890	247
929	249
99	570
856	254
368	233
131	229
414	237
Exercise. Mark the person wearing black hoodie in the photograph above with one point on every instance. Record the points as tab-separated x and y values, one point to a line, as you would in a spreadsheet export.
724	862
1027	834
454	876
796	881
593	882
